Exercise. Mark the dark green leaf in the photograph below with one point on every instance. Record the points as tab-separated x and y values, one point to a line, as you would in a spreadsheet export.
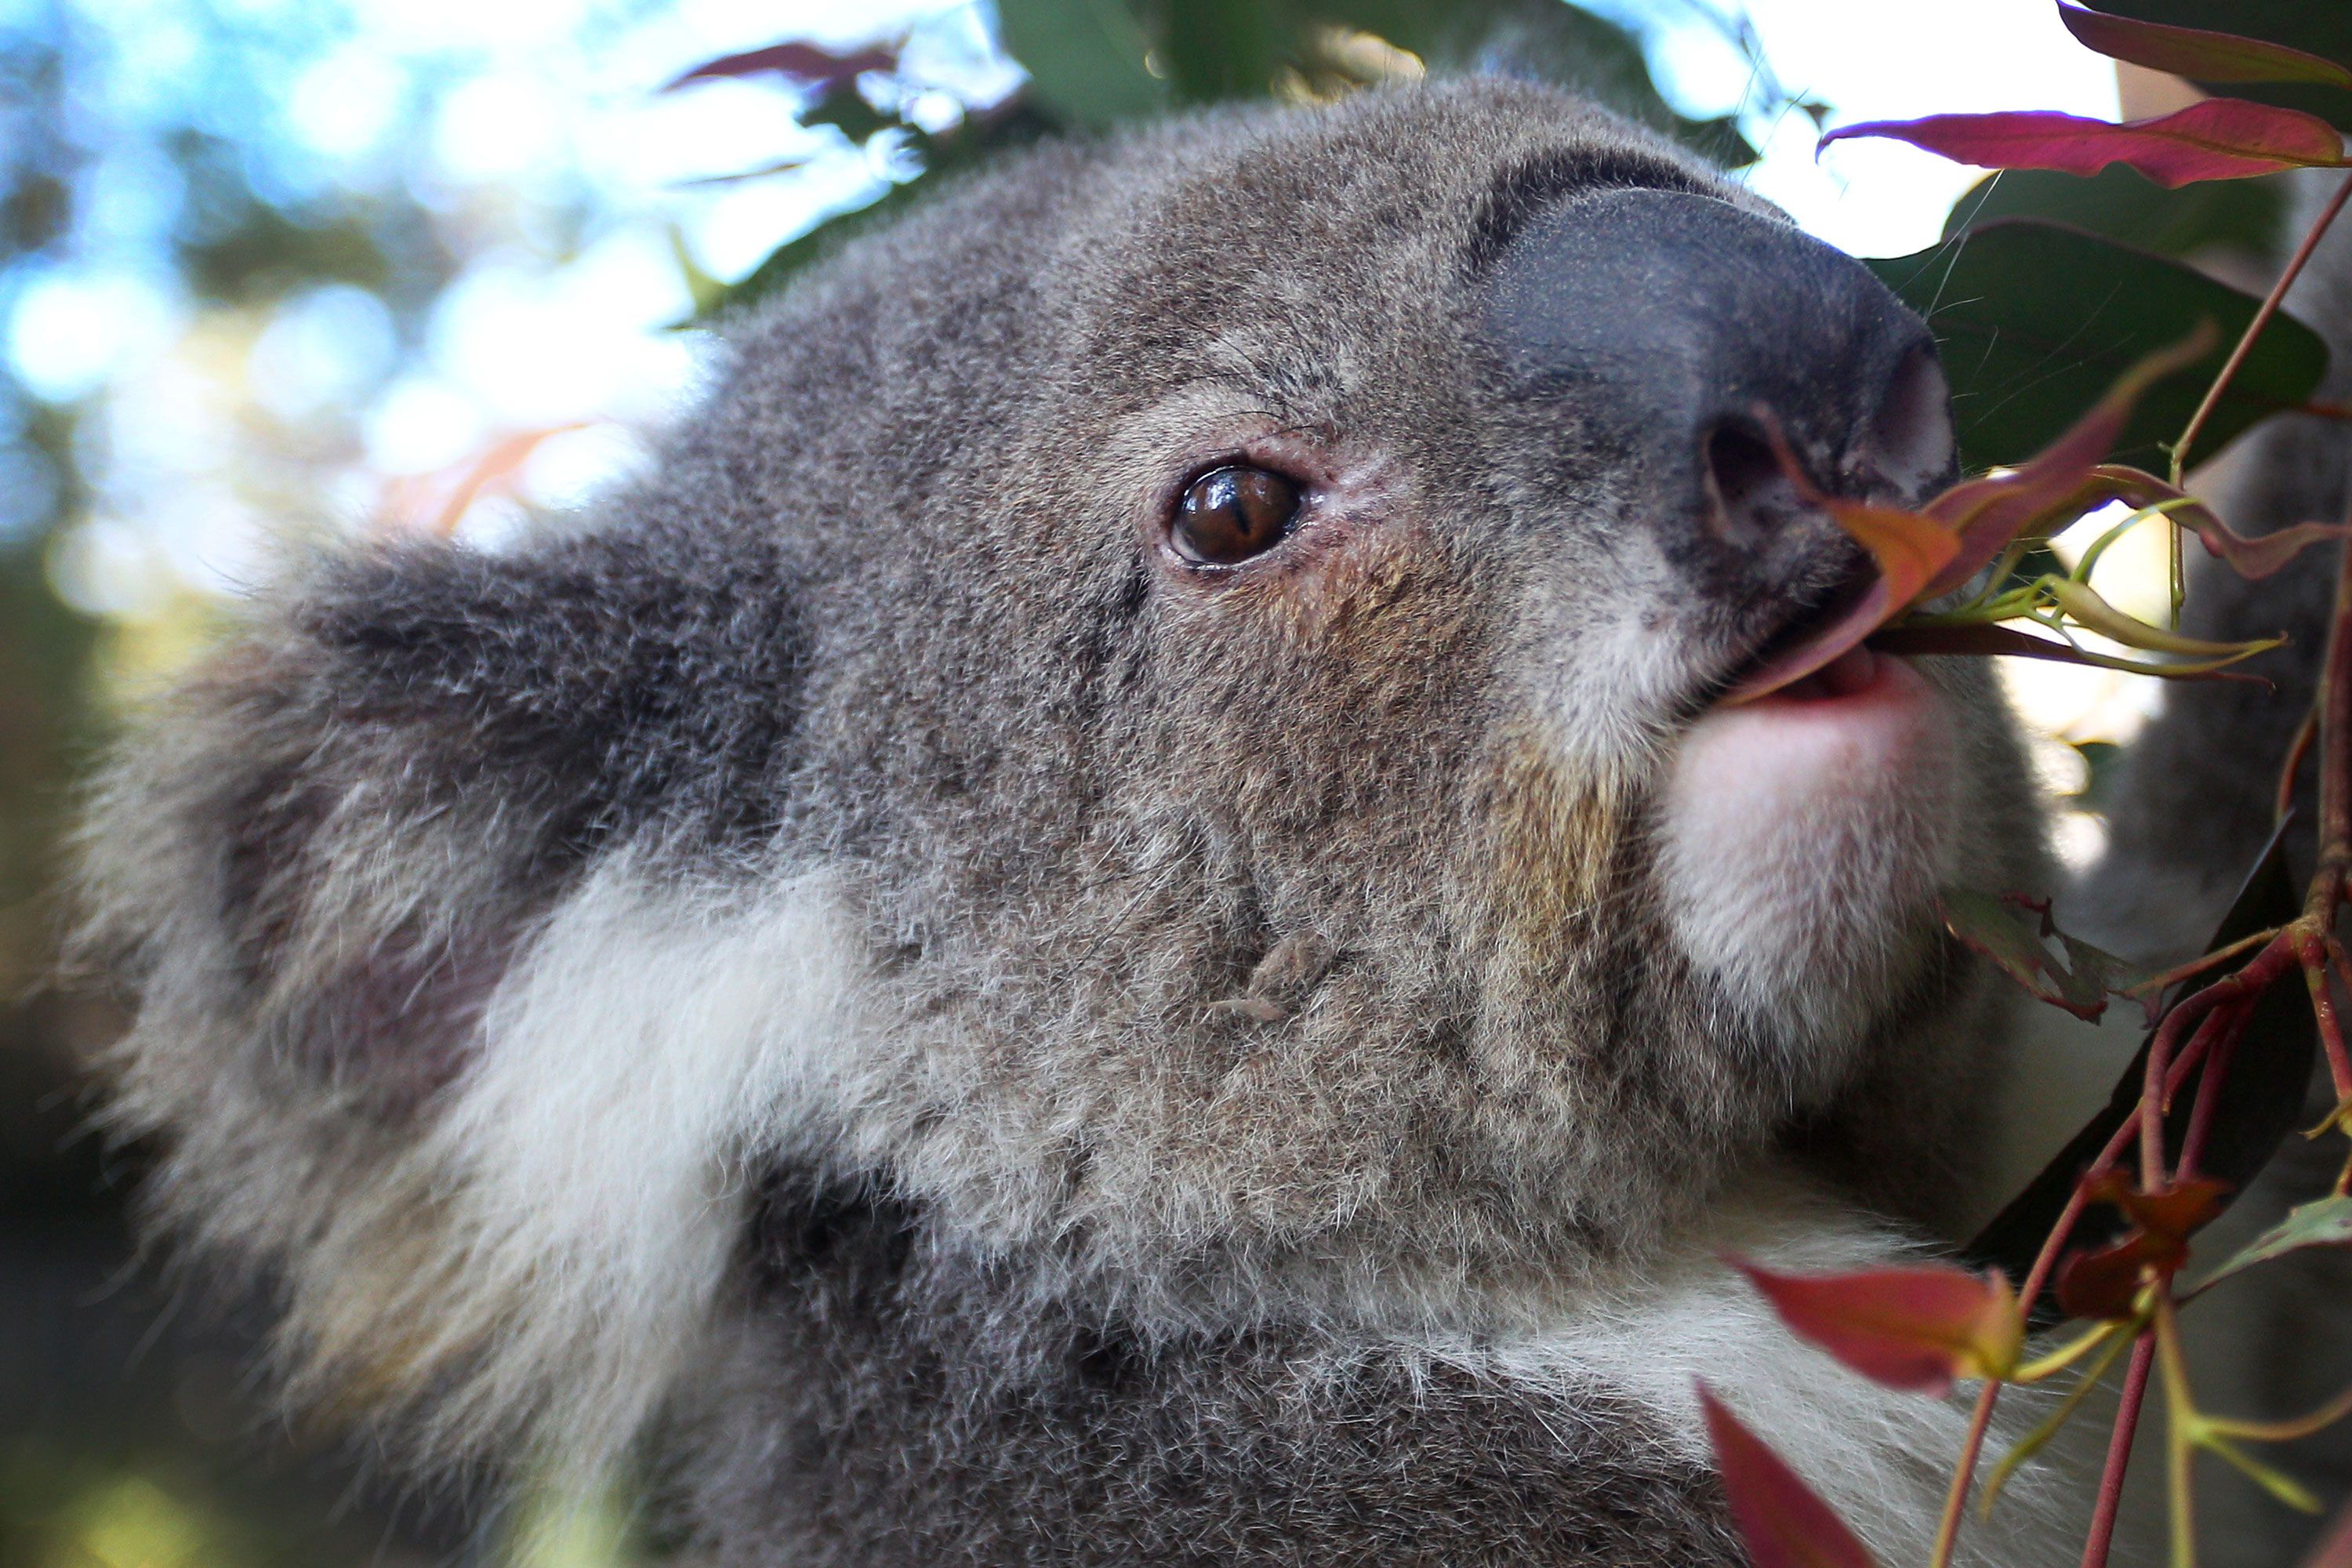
845	109
2326	1223
1218	49
1085	59
2036	319
2257	1105
2196	52
2322	27
2122	205
1547	39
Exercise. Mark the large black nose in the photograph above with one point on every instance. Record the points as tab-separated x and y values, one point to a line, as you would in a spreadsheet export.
1671	330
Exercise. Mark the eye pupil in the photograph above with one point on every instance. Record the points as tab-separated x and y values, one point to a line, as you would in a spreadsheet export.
1233	513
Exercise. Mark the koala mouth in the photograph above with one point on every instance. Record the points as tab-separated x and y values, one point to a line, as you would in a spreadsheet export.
1809	622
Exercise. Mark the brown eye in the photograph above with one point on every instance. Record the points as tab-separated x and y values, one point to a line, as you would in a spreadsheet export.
1231	514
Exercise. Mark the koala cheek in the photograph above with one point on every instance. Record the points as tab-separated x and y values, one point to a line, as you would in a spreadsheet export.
1803	840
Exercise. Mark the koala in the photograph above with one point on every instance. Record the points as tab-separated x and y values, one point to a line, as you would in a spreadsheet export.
1116	916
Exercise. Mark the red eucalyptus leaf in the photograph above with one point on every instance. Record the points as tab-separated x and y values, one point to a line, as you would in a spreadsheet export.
1869	612
1924	553
2176	1213
2252	558
803	62
2257	558
2335	1548
1782	1522
1918	1328
2105	1282
2197	53
2216	139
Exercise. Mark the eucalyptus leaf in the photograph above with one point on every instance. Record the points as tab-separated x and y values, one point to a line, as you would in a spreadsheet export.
2122	205
1547	39
2036	319
1086	59
2322	27
2017	939
2324	1222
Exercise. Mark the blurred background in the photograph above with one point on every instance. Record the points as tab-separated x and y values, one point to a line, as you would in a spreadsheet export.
274	267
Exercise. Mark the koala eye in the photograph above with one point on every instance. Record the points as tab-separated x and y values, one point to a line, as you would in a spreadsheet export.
1233	513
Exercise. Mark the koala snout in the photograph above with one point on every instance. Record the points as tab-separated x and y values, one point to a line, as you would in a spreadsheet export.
1673	332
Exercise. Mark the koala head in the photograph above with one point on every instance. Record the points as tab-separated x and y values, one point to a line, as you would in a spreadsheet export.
1167	713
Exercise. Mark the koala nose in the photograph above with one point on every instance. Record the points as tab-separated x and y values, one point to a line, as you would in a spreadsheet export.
1671	331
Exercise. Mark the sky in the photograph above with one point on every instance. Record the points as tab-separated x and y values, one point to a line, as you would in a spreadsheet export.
522	340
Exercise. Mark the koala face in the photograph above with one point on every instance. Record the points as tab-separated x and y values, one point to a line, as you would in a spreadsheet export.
1300	800
1166	715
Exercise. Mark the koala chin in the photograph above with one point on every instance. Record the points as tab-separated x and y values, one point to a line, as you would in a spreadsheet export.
1804	837
1117	916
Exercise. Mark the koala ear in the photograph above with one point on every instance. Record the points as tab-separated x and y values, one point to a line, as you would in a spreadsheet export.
318	864
418	748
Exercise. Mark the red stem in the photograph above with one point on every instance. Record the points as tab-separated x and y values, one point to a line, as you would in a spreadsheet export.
2254	329
2163	1077
2119	1447
2231	1028
2305	733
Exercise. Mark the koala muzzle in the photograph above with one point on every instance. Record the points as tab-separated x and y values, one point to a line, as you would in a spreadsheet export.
1672	332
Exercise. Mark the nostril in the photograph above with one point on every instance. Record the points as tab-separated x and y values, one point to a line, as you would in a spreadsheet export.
1911	439
1750	499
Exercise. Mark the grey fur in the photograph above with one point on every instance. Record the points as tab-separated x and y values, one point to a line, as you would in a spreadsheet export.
1255	983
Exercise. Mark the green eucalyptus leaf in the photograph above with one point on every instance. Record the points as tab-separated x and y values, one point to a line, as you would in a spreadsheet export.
2035	321
2324	1222
2121	203
2017	939
1556	42
1085	59
1219	49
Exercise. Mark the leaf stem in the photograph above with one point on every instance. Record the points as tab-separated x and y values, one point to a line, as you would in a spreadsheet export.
2119	1448
2180	1425
2270	307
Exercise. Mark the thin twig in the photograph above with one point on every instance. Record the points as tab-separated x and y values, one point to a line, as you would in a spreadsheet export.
2270	306
2119	1447
2305	733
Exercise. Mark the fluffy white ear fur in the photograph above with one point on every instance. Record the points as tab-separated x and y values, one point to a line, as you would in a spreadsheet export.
593	1167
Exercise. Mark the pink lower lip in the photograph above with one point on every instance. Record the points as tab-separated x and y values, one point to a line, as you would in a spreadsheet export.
1858	726
1856	672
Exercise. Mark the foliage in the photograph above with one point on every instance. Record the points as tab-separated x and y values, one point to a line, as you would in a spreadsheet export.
2222	1028
1094	64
